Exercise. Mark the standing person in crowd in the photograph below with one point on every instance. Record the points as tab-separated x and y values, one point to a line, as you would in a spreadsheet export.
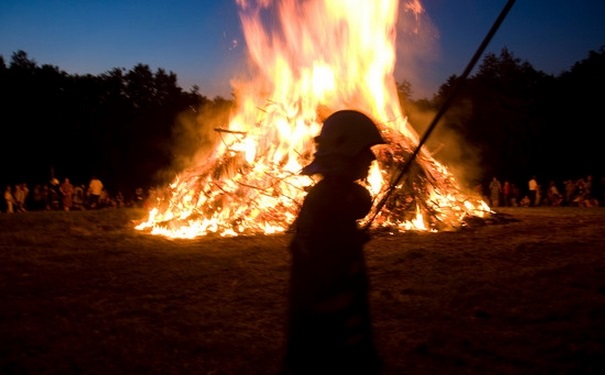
39	201
95	188
23	197
579	195
533	191
54	195
515	195
120	200
19	198
506	193
554	198
329	325
67	194
588	186
570	190
139	197
495	189
9	200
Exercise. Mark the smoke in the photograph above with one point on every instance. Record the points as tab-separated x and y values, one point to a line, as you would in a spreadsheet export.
445	144
416	48
195	136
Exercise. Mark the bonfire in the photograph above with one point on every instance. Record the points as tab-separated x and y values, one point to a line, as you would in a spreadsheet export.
309	59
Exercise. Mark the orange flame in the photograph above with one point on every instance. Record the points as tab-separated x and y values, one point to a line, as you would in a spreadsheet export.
307	59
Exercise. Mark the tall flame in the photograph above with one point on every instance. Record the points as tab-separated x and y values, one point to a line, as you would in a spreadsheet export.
307	60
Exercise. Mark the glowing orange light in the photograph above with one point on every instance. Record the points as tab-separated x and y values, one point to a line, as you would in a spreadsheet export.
316	58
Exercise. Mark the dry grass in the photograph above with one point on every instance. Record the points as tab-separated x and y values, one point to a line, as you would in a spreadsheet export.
85	293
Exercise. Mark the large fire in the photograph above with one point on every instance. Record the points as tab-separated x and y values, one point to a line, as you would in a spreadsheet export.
309	59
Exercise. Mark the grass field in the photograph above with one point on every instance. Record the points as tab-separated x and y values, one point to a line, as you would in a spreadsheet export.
84	293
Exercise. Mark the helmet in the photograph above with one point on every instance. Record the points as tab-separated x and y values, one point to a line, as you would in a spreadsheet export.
347	133
344	135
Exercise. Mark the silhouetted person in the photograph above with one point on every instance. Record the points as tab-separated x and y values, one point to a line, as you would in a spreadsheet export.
9	200
329	327
95	189
67	194
39	200
533	191
554	197
506	194
495	189
570	190
79	197
54	195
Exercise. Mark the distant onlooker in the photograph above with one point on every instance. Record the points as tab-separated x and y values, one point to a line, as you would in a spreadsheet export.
515	195
38	198
554	198
588	185
533	192
506	194
139	197
79	197
495	189
120	200
95	189
54	195
9	200
20	195
67	193
570	190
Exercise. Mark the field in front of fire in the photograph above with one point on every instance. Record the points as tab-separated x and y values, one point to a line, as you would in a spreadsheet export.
85	293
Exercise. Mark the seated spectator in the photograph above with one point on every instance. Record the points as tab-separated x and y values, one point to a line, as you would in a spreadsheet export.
79	197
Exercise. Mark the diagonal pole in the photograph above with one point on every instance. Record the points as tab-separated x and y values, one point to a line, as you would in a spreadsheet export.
444	107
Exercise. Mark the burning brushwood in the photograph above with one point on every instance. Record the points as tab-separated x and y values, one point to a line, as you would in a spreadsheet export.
315	53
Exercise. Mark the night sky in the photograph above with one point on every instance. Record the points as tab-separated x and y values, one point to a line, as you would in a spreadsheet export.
201	41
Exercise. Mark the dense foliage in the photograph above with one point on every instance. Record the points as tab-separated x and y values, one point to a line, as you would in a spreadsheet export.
118	125
510	120
516	122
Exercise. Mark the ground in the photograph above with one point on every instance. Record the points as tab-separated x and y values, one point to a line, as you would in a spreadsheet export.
86	293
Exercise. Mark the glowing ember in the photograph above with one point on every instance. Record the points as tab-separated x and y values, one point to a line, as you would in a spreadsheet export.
318	57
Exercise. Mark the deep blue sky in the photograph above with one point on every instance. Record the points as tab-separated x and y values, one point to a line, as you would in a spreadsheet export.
201	41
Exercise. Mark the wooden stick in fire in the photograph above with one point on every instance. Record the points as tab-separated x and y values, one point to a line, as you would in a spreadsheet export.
444	107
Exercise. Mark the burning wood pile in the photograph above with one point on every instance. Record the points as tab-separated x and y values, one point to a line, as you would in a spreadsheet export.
251	184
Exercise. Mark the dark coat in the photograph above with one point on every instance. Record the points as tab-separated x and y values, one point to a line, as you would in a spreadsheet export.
329	329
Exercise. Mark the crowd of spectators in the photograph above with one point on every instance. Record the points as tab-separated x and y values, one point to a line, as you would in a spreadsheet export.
580	192
57	195
63	195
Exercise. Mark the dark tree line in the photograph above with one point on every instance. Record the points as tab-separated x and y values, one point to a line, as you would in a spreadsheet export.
516	122
117	125
511	120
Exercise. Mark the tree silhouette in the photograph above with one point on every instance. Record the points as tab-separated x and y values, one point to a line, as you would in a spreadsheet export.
117	125
519	121
126	125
